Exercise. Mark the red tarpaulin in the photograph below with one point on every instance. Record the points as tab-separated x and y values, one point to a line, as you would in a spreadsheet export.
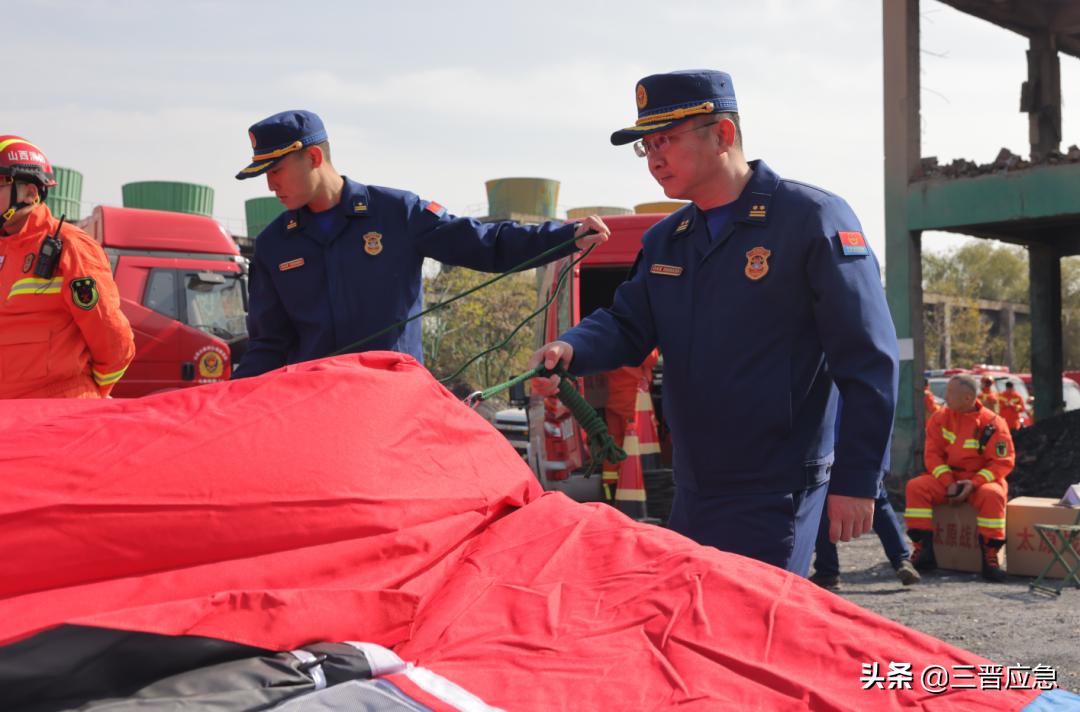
355	499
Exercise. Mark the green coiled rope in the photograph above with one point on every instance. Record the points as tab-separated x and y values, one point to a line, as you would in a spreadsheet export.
602	447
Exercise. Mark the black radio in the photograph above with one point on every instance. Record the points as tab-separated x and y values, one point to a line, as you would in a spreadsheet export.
49	254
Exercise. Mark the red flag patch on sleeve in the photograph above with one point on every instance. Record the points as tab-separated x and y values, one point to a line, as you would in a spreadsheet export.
853	243
435	209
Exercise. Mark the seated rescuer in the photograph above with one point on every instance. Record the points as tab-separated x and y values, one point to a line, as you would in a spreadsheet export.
763	290
343	261
969	453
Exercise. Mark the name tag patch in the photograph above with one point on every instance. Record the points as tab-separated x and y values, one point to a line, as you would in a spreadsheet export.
291	264
853	243
666	270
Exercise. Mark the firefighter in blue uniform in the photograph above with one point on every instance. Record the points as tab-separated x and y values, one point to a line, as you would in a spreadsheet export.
764	291
343	261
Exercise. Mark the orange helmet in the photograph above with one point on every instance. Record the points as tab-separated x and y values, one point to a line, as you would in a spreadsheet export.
23	160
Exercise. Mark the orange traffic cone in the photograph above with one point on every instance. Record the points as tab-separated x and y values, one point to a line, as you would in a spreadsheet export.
645	420
659	481
630	495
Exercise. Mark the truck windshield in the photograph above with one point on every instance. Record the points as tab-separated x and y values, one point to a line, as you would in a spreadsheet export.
215	303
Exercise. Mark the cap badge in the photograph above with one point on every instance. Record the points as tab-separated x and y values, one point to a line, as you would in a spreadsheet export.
642	97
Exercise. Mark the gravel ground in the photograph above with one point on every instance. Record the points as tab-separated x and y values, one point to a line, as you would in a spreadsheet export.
1002	622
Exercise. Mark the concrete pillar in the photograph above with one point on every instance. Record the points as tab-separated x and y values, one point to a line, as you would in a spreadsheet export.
1044	266
1041	96
903	248
946	334
1008	325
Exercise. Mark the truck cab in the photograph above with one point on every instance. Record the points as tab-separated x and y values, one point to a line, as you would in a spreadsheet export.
556	452
183	287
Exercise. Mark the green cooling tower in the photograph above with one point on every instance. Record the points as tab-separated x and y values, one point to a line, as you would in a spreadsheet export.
64	199
167	195
260	212
522	196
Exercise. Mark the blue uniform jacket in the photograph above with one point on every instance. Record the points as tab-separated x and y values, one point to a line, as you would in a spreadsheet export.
772	329
313	293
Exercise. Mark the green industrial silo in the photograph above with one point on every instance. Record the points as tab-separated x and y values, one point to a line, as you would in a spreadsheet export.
260	212
518	198
167	195
64	199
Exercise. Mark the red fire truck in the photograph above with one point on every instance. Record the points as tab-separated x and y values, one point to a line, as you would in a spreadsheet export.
183	287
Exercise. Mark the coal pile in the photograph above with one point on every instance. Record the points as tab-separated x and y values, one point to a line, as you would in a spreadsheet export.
1047	457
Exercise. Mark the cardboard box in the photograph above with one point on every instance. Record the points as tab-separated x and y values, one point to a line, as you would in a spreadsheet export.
1027	553
956	538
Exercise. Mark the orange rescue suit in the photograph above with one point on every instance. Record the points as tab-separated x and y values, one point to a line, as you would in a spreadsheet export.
621	406
1012	407
989	398
65	336
929	402
954	452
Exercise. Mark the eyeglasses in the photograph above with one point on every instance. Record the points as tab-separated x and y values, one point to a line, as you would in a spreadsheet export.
660	143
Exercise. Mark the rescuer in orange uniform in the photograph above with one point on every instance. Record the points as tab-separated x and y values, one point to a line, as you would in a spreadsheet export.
969	453
929	402
62	334
621	408
988	396
1012	406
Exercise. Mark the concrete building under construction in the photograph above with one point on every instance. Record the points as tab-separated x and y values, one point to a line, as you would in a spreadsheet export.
1033	203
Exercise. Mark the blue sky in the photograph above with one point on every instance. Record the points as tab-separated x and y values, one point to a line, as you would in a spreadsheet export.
439	97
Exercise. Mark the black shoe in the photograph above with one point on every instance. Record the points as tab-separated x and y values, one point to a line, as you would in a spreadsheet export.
922	550
907	574
991	568
829	582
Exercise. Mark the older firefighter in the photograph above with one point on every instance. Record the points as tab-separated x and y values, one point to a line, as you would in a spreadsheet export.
969	453
1012	406
988	396
63	334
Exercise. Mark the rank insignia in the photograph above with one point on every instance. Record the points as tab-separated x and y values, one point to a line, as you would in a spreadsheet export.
27	262
641	96
292	224
683	226
757	210
359	208
757	263
666	270
84	293
372	243
291	264
1002	449
853	243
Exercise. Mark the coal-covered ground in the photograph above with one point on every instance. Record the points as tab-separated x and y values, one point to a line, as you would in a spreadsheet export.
1003	622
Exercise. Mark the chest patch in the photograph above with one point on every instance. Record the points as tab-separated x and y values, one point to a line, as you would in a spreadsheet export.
757	263
373	243
291	264
666	270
